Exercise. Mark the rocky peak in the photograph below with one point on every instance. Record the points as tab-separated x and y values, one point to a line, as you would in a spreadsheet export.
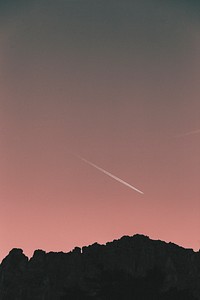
129	267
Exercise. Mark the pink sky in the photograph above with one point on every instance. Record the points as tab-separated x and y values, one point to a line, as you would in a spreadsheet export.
117	90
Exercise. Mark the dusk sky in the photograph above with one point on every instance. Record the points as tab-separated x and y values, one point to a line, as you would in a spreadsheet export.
118	83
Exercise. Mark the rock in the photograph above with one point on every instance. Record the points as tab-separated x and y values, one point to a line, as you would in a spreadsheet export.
130	268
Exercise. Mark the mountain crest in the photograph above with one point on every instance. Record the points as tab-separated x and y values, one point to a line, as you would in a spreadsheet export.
129	268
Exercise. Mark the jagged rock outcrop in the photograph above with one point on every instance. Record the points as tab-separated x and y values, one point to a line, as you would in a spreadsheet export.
130	268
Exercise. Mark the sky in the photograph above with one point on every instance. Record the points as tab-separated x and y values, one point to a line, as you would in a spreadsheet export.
116	83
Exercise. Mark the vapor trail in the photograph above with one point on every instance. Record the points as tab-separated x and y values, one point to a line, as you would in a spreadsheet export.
189	133
109	174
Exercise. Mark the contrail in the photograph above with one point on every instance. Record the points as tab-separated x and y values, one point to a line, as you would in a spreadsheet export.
109	174
189	133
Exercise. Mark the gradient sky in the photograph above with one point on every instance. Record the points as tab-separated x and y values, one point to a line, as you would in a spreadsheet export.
116	82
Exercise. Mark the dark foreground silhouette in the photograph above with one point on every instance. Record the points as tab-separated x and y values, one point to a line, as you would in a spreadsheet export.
135	268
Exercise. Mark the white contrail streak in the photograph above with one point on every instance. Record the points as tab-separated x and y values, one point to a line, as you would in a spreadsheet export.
109	174
189	133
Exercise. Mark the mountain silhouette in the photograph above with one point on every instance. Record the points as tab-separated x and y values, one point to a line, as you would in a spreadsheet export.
135	268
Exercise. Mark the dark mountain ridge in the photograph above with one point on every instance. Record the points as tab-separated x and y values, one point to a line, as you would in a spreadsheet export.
129	268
